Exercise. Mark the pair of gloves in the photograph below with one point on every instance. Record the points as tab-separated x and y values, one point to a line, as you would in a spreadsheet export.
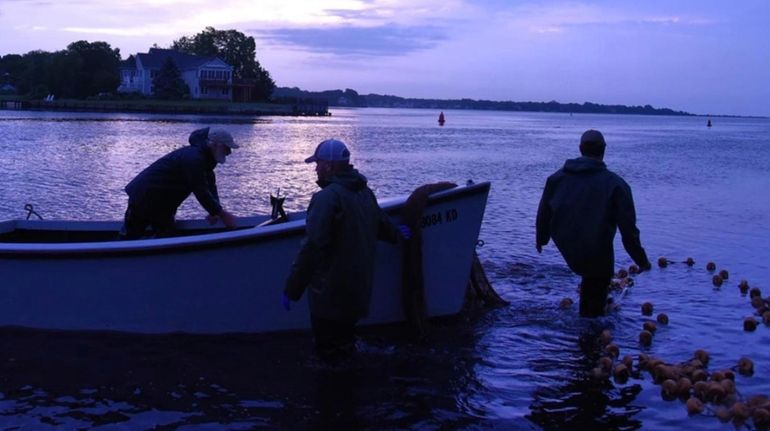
406	233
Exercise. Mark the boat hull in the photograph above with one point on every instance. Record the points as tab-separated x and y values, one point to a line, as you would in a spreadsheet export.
226	282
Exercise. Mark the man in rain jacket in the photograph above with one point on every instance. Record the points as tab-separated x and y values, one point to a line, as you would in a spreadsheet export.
336	261
155	194
582	206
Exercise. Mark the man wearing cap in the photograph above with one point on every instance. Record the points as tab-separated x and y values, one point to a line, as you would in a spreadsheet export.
155	194
582	206
336	261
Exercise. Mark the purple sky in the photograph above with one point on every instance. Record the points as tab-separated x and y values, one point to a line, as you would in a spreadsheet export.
705	57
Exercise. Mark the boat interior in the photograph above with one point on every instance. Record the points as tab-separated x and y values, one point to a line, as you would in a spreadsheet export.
59	231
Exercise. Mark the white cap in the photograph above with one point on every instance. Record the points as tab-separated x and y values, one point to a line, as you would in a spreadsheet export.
330	150
223	137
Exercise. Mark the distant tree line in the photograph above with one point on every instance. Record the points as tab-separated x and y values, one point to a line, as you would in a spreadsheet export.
331	97
352	98
83	69
88	69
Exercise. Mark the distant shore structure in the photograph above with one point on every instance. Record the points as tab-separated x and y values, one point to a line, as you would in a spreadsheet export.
708	123
441	119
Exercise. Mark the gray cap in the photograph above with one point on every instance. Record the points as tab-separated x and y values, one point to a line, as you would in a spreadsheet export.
221	136
330	150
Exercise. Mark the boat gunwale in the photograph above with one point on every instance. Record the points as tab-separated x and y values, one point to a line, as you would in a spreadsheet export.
193	243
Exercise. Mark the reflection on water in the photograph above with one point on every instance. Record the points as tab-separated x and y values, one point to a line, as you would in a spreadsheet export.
583	402
94	118
69	381
699	192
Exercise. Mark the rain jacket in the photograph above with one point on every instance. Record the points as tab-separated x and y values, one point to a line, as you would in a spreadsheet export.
336	261
160	188
582	206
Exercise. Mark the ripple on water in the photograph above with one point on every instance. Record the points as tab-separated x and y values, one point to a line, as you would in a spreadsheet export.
698	192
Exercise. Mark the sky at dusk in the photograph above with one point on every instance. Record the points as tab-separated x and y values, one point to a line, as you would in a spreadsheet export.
704	57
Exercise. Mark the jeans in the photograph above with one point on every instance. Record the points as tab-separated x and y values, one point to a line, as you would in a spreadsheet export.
135	225
333	338
593	296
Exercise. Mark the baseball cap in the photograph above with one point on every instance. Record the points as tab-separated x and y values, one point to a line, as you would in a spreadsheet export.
593	138
330	150
592	143
223	137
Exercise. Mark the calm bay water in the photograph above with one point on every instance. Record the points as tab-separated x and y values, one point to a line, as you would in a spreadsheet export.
699	192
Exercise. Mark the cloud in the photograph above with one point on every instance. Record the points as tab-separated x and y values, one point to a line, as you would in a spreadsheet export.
561	17
385	40
30	2
130	31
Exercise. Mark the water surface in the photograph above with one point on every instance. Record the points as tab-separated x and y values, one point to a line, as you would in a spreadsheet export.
699	192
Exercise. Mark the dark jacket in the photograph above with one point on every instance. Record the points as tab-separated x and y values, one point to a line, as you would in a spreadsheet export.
582	207
336	261
160	188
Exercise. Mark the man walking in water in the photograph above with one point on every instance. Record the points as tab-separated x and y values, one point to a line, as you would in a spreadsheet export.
582	206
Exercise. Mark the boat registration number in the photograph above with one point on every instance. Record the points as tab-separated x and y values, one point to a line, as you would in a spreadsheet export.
439	217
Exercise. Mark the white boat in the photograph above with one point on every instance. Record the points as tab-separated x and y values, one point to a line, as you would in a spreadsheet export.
72	275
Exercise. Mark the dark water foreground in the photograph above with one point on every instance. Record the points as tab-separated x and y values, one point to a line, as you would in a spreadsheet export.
56	380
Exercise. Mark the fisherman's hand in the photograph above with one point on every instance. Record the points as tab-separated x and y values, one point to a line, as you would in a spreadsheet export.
406	233
286	302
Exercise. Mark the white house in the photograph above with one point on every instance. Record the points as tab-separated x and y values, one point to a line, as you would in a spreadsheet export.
207	77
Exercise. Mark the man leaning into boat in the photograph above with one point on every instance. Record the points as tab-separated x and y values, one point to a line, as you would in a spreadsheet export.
336	261
155	194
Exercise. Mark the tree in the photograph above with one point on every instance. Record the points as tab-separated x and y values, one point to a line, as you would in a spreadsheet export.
66	77
11	68
96	68
34	79
168	83
83	69
236	49
80	71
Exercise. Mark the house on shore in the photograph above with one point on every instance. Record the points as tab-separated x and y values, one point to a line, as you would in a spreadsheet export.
207	77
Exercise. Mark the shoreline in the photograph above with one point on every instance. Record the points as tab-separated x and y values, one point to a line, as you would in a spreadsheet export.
298	108
303	108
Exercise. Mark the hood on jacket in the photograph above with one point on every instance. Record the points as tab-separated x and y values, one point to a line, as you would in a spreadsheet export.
351	179
583	165
199	138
